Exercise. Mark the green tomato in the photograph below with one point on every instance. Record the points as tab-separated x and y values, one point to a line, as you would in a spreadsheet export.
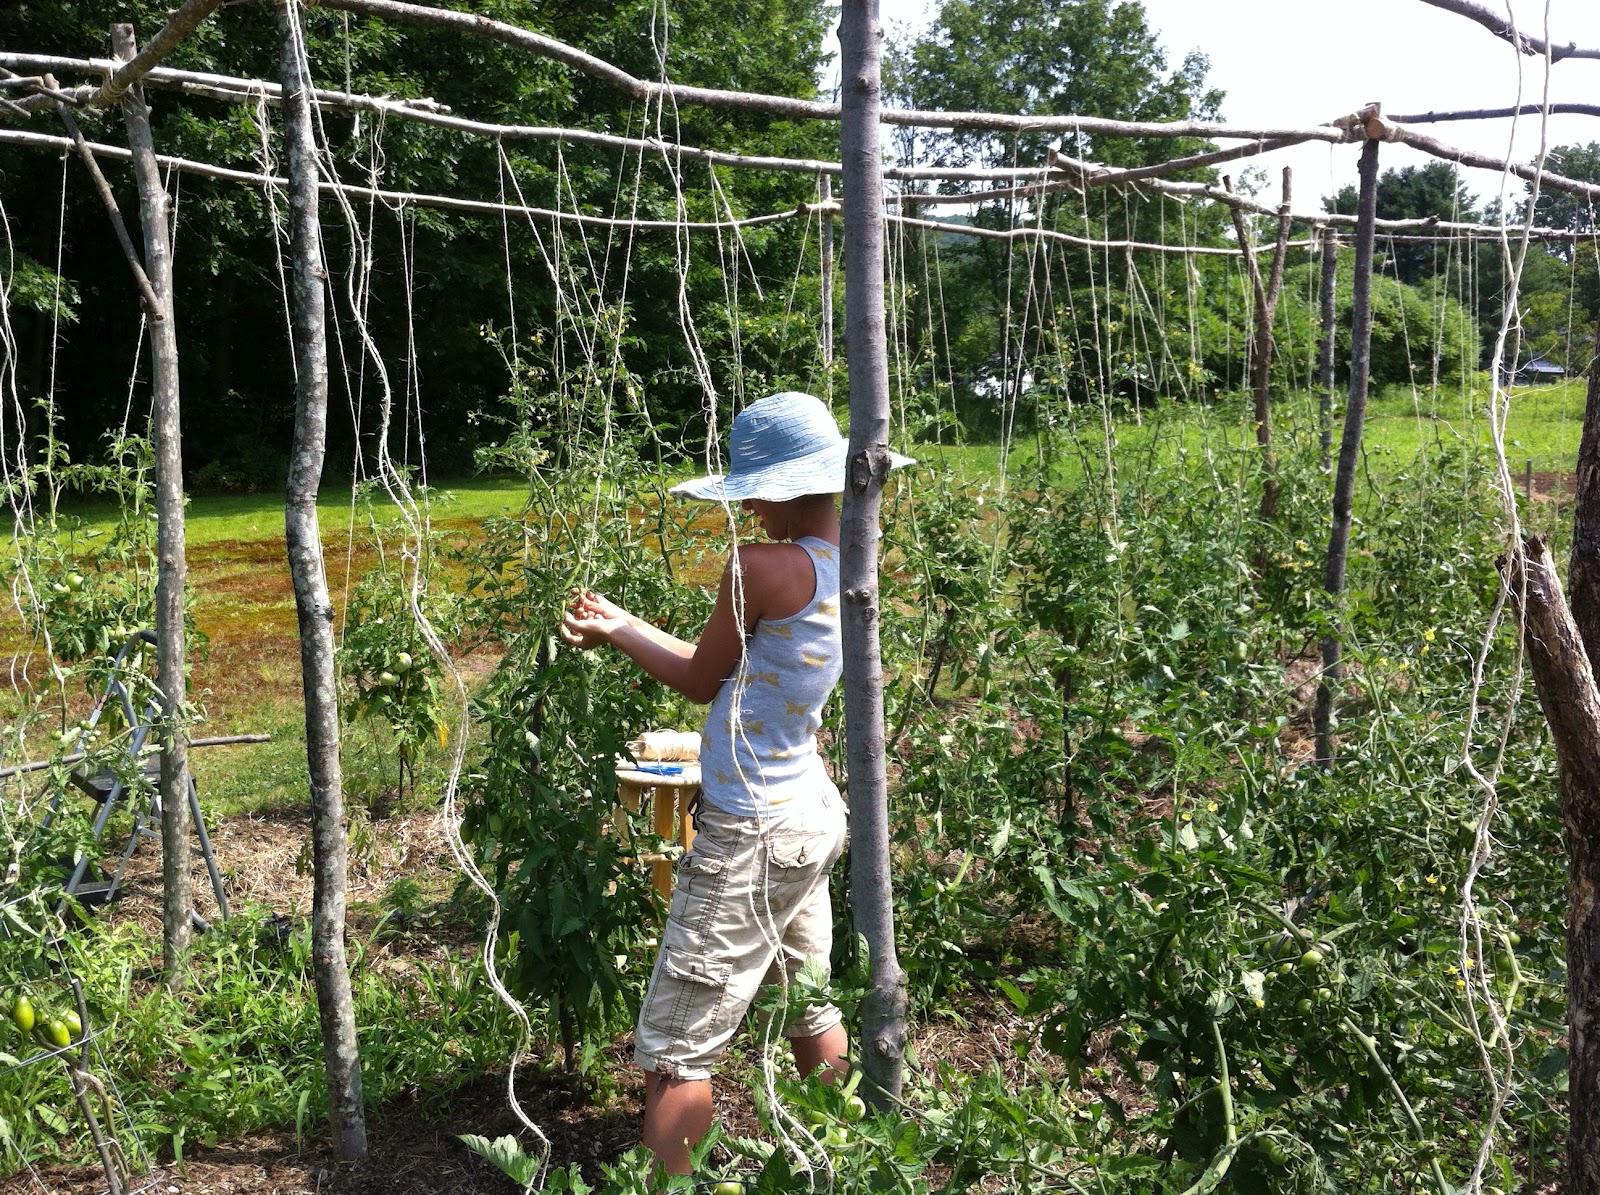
1275	1152
58	588
55	1034
73	1023
1311	960
854	1108
402	662
816	1118
835	1139
22	1015
74	581
387	680
728	1186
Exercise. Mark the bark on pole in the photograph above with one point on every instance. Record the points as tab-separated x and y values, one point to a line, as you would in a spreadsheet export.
883	1011
1567	694
1263	342
827	281
341	1058
1355	414
1330	284
1583	566
177	900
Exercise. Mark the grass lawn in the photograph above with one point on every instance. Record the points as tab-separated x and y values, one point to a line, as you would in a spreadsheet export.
1543	428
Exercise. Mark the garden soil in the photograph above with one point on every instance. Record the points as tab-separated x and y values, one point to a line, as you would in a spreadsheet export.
414	1144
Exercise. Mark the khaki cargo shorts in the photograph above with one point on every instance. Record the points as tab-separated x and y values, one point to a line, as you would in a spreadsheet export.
748	901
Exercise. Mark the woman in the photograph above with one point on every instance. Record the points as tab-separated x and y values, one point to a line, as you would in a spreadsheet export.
752	894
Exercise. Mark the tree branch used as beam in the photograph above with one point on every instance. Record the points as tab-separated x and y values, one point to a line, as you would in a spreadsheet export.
1205	191
173	78
482	207
1471	157
1032	232
237	90
641	89
420	199
1496	24
1499	113
182	23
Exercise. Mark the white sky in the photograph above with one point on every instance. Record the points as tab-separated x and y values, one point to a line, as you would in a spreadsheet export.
1303	62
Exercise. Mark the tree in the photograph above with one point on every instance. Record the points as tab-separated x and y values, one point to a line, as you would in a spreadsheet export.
226	270
1013	319
1097	57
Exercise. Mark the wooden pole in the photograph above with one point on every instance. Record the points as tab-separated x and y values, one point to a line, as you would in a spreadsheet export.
1559	660
177	901
1583	565
883	1010
341	1059
1344	482
1266	311
1329	296
827	282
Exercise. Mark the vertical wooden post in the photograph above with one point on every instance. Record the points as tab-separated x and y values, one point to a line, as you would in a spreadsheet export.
1344	483
883	1011
1262	341
177	901
1583	565
827	283
341	1058
1558	658
1330	290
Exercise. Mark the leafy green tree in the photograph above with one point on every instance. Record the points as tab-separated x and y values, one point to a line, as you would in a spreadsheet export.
1051	57
444	273
1561	209
1012	324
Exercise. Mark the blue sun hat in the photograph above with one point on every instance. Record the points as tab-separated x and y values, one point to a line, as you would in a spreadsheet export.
784	446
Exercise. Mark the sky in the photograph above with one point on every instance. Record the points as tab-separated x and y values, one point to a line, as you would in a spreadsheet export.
1301	63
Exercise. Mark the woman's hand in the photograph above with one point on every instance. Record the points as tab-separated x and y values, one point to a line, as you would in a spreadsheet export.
592	620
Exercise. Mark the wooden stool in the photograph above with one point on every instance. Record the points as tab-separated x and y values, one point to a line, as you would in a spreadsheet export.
670	800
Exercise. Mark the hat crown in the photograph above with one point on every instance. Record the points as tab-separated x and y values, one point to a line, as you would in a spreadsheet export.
781	427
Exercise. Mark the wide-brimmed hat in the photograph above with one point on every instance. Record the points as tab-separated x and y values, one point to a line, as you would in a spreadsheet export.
784	446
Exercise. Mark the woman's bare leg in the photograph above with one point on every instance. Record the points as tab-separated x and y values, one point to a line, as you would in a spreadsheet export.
828	1051
677	1113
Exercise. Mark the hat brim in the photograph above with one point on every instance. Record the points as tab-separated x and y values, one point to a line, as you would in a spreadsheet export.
818	473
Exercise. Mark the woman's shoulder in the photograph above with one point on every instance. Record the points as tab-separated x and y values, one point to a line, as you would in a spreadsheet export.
768	560
778	578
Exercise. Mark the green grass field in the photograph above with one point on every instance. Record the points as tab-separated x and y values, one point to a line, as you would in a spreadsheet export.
1544	426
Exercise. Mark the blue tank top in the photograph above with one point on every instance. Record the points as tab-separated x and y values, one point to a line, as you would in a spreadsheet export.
758	750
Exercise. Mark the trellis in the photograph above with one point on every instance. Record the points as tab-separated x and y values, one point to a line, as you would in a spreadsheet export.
866	208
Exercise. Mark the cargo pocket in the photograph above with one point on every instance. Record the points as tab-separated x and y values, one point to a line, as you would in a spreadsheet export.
795	858
696	895
689	1001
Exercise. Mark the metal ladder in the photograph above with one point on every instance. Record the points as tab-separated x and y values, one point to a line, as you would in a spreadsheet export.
109	789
